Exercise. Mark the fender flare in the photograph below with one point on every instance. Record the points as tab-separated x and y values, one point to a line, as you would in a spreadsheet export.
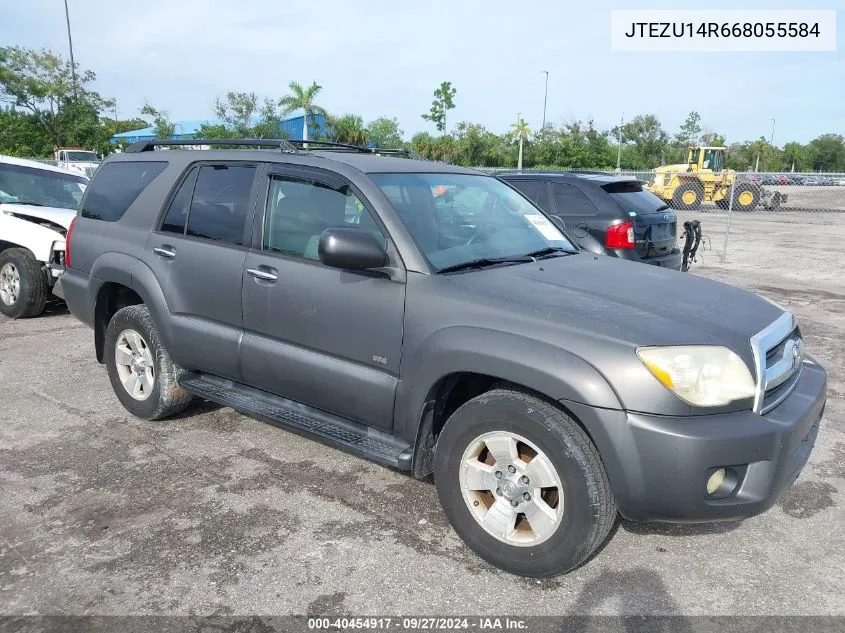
536	365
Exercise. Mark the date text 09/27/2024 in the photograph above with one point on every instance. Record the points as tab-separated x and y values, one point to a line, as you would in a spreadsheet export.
416	623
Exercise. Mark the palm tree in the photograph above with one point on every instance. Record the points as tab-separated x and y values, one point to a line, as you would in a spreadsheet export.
302	99
519	132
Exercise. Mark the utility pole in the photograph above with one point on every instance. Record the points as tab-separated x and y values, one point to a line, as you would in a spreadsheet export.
772	141
545	99
619	138
70	45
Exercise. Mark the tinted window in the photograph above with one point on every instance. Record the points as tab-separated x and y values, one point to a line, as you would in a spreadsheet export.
30	185
571	201
298	211
457	218
177	213
531	188
116	186
630	196
220	201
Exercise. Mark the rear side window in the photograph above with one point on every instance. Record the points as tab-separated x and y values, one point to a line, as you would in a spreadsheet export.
116	186
532	189
570	200
220	202
177	213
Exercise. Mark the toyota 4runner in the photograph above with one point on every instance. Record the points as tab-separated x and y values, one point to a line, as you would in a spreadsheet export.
332	291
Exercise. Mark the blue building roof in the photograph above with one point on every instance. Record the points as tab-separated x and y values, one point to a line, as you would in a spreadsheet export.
290	125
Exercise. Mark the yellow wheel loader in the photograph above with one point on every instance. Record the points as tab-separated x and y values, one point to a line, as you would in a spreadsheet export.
704	179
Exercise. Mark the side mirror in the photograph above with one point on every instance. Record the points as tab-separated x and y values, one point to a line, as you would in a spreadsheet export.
350	248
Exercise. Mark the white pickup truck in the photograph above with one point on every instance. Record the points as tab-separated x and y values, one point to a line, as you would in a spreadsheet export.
37	204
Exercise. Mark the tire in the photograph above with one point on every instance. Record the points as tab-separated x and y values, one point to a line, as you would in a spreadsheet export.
23	286
687	190
746	196
157	392
575	524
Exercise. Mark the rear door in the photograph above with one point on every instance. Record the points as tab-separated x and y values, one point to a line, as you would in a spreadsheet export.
655	223
197	254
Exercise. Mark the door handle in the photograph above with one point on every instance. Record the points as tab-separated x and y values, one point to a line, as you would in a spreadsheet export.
163	252
264	275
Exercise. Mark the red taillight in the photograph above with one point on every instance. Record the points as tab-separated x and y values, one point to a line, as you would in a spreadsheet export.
67	242
620	236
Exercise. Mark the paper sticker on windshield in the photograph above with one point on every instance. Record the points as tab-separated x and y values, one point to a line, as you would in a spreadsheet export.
546	228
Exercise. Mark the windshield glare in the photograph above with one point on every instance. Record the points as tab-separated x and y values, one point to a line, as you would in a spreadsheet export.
27	185
457	218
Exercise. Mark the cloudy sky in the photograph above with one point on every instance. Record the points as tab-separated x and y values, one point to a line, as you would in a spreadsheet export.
385	57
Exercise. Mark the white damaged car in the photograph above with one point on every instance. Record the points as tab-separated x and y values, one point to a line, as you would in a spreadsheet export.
37	204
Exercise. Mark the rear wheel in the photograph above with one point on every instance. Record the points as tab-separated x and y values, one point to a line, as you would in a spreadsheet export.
23	286
746	196
522	484
688	196
140	370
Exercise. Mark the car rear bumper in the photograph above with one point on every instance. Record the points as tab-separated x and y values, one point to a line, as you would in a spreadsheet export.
74	288
658	466
670	260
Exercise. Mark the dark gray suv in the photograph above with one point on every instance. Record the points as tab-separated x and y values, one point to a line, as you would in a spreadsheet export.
332	291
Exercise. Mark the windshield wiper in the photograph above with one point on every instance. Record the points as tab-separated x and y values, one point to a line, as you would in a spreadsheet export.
484	262
551	251
32	204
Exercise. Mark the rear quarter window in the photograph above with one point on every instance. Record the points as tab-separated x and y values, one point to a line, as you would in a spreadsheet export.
116	186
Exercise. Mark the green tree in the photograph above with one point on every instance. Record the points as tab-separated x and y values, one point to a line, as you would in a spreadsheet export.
795	156
444	100
385	132
827	153
301	98
41	84
161	123
237	112
348	128
519	133
644	142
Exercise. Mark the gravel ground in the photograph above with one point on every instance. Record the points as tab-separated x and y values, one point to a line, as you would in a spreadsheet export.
215	513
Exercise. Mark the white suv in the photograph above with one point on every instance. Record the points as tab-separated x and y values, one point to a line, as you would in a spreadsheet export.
37	204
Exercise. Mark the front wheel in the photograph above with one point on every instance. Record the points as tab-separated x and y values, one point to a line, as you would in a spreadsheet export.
23	286
522	484
140	370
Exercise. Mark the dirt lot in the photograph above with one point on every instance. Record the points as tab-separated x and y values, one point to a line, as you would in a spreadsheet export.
101	513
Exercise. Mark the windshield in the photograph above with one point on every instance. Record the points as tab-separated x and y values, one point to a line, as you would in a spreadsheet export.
459	218
631	197
28	185
82	157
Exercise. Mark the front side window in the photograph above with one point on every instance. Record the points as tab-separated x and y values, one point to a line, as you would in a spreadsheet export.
40	187
298	211
459	218
220	203
116	186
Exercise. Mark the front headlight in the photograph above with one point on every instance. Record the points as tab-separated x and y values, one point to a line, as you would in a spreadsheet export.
702	375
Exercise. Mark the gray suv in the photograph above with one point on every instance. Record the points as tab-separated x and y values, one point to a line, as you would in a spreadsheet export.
332	290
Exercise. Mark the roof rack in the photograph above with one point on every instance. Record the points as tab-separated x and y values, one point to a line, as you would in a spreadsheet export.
148	146
285	145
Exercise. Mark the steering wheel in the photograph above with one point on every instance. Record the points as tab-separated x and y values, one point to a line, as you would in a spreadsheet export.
483	231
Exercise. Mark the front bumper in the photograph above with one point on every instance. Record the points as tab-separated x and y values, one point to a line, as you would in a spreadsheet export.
658	465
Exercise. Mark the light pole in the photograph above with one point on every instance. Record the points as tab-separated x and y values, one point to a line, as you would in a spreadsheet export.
70	46
619	138
545	99
772	141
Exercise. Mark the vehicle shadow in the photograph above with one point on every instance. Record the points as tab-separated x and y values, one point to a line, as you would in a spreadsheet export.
638	596
55	307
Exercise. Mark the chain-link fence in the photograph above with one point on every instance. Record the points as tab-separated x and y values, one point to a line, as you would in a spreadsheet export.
748	217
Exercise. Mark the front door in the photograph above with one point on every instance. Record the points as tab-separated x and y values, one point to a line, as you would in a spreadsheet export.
197	256
322	336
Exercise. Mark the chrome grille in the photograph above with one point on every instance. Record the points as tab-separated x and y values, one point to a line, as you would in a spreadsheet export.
778	357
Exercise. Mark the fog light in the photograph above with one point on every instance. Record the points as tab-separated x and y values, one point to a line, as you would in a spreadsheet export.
715	481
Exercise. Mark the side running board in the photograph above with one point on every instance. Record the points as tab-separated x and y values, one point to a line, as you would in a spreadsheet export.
330	429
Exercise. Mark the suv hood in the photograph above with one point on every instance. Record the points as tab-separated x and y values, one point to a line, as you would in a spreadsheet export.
627	302
62	217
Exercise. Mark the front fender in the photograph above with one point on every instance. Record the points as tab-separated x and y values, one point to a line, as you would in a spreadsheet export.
34	237
539	366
